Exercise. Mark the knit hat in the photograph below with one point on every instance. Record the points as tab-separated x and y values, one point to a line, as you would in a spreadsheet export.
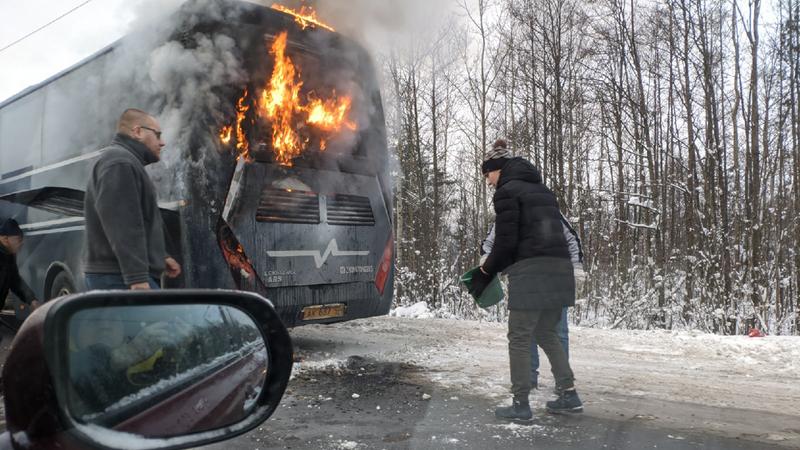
10	227
497	157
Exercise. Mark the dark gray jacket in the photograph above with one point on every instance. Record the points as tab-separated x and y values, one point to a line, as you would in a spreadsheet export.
124	229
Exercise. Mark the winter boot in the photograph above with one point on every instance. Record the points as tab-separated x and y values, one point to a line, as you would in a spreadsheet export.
567	402
519	410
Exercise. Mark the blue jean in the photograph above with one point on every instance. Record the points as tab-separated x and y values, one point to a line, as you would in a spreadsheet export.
563	335
108	281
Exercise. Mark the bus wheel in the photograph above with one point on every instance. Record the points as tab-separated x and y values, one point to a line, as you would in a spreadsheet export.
62	285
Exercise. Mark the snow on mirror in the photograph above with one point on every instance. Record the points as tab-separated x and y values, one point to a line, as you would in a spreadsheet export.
160	371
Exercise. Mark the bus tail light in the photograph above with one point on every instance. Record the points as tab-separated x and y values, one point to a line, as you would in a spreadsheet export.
385	265
241	268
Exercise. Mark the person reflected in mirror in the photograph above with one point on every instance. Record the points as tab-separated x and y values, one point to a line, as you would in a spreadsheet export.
576	256
125	243
531	250
106	366
11	241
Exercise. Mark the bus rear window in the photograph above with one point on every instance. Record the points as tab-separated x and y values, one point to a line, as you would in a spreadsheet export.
299	106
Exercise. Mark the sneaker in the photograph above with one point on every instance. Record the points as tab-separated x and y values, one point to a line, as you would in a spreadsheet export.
517	411
567	402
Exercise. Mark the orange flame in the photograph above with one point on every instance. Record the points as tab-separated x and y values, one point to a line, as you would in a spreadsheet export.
281	105
242	144
306	17
225	134
281	101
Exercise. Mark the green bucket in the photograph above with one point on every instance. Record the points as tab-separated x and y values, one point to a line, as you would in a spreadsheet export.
491	295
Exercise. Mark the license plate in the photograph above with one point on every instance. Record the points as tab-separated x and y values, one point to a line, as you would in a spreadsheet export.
323	311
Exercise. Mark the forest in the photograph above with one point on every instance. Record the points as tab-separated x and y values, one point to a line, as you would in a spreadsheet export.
669	131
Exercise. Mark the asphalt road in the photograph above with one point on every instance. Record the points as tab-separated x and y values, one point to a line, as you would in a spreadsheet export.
396	406
372	404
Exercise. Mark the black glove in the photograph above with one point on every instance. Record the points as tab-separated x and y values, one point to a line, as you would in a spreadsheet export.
479	282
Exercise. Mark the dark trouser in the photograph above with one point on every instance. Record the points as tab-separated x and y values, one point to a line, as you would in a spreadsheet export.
563	335
523	326
108	281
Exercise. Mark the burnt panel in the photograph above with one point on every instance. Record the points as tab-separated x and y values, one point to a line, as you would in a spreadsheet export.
350	210
288	206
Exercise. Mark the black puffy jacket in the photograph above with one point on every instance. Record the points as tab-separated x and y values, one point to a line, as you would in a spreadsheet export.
529	245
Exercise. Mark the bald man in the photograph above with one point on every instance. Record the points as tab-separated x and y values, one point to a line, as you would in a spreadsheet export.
125	246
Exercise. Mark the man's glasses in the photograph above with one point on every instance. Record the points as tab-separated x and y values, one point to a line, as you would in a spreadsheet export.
156	132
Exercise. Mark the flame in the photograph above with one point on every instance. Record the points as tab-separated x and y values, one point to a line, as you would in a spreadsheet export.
225	134
242	144
281	101
306	17
281	104
330	115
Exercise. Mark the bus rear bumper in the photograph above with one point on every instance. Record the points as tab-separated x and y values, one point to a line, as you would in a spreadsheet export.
359	300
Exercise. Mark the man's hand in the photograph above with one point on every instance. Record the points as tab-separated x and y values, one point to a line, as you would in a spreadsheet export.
479	282
35	304
173	269
140	286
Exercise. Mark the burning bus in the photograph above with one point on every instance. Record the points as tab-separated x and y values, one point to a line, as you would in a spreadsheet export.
275	175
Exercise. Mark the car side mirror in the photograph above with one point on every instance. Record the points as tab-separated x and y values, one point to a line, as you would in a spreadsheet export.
145	369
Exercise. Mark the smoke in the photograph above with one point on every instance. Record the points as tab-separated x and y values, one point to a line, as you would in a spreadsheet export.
177	76
186	79
378	24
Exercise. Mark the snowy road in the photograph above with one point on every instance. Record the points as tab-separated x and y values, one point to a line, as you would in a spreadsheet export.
426	383
365	384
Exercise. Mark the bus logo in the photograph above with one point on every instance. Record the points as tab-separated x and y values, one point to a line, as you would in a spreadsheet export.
319	258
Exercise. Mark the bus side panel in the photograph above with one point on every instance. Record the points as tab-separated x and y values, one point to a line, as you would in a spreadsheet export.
203	262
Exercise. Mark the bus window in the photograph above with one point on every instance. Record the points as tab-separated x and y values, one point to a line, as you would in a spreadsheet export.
21	134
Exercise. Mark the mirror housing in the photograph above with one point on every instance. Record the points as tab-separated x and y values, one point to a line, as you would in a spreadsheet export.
36	378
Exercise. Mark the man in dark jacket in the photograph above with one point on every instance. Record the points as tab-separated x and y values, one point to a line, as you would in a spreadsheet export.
11	241
125	246
531	250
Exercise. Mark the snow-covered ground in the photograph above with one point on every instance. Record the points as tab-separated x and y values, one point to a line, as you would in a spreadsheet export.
731	385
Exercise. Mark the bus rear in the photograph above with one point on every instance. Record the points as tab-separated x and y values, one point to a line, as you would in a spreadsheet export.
309	227
305	208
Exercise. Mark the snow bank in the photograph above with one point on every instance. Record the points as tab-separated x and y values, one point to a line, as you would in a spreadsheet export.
418	310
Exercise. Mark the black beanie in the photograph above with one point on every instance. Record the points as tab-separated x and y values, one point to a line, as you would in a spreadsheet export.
10	227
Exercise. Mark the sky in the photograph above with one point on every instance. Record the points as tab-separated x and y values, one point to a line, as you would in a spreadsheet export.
101	22
60	45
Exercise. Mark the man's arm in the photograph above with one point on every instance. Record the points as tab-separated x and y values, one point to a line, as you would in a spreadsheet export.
506	234
20	288
488	243
118	204
573	241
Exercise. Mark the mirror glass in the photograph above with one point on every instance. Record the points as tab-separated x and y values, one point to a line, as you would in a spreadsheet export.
164	370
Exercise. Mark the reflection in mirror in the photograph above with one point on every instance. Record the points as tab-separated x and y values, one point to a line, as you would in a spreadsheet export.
164	370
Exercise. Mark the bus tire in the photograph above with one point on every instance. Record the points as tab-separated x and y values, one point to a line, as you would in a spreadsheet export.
62	285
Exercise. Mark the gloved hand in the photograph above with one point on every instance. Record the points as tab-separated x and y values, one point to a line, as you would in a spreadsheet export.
479	283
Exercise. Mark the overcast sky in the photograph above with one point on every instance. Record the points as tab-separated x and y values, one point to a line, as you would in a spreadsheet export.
60	45
101	22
